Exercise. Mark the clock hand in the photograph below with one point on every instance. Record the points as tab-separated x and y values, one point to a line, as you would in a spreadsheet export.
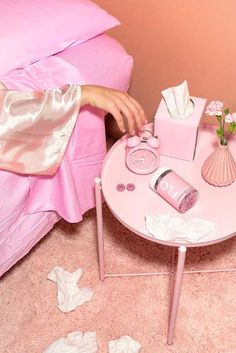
140	159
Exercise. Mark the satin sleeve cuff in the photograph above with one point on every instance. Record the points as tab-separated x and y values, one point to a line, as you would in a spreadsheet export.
35	128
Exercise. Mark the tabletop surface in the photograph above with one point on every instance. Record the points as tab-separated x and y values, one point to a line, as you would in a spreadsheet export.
216	204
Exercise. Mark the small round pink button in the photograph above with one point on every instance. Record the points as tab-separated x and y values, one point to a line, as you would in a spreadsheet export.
130	187
120	187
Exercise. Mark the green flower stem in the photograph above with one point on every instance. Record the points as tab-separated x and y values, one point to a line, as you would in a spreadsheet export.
222	138
223	127
223	135
228	136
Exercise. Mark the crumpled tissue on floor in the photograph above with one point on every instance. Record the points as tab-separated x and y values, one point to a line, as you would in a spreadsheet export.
69	295
124	344
75	342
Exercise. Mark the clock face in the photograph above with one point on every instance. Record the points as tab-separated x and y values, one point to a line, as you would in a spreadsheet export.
142	161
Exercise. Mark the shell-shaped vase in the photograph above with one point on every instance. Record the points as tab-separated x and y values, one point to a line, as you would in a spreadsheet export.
220	168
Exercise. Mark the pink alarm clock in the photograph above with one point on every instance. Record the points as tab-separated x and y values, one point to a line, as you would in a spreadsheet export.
142	155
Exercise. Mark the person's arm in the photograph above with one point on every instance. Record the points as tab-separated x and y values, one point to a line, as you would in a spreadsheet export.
35	127
119	104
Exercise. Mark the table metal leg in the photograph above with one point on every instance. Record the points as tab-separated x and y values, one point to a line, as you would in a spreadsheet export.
176	294
100	235
172	279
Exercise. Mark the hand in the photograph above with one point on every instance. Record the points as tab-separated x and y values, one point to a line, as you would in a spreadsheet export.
119	104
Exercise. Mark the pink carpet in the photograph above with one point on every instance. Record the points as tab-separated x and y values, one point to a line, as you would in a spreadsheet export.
137	306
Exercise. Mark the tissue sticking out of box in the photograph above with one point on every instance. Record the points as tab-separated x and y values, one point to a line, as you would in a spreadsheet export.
178	101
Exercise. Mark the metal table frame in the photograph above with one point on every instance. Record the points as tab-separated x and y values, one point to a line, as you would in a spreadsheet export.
176	272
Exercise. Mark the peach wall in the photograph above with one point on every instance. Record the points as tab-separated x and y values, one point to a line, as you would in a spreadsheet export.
173	40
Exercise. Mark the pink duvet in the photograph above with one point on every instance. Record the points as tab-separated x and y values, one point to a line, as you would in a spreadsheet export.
30	205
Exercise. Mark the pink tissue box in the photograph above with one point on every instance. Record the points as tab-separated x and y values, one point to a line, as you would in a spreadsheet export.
178	138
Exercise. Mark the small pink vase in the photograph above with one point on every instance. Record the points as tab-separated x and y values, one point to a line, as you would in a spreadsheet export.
220	168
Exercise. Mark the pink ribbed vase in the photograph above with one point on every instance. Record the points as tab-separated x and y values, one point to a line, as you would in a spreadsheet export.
220	168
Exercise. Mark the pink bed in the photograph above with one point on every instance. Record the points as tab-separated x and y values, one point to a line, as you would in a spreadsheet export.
30	205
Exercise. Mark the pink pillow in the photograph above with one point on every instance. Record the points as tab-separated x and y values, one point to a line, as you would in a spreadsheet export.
31	30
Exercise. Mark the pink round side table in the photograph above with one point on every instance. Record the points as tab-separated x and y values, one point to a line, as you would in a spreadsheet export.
115	176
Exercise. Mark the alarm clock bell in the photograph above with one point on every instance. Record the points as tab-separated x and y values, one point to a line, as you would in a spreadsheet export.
142	155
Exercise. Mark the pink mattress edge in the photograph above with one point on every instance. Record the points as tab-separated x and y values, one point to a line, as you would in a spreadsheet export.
24	226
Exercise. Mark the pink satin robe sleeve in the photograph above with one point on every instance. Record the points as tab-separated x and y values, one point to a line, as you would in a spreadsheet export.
35	128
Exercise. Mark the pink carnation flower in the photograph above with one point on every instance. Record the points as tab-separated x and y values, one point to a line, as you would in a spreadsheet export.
214	108
229	118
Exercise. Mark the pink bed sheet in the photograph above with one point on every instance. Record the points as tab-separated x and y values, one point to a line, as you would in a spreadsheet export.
31	205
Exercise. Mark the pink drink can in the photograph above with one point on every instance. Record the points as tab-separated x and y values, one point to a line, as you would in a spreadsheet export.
174	189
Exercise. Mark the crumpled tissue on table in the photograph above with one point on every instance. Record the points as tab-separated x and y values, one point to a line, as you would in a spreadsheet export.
165	227
124	344
75	342
69	295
